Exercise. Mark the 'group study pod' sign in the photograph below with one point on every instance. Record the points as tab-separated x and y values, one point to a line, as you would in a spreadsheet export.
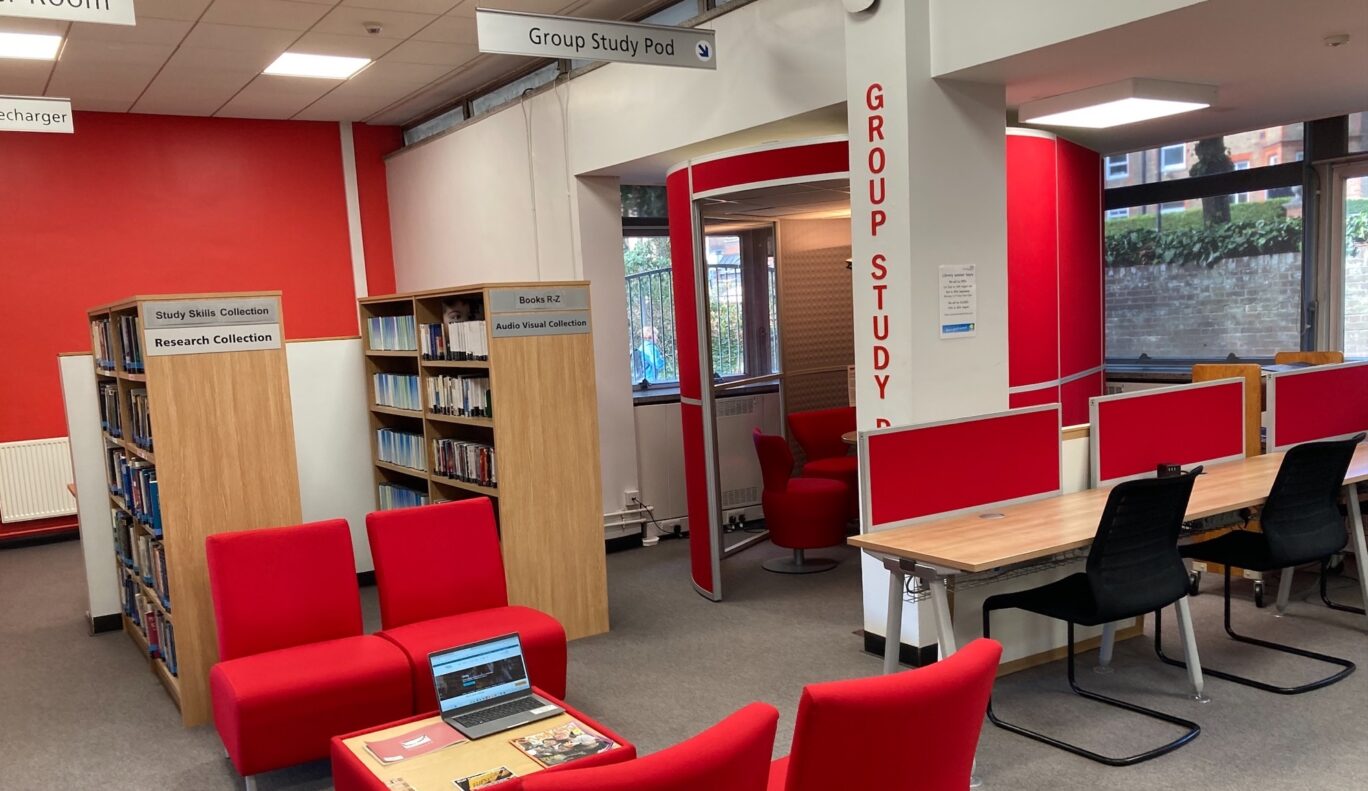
108	12
541	36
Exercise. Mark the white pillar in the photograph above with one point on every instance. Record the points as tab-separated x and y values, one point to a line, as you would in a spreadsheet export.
928	188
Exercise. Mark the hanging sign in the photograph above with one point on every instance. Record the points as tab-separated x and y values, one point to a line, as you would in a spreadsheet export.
208	326
35	114
958	301
107	12
525	300
542	36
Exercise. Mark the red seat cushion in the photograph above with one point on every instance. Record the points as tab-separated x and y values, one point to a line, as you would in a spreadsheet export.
543	641
809	514
280	708
778	775
845	469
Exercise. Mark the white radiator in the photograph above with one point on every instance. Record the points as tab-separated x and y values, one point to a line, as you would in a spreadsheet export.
33	478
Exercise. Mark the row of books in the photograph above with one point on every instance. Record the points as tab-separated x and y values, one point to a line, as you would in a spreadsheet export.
457	340
463	396
402	448
392	333
140	413
397	390
110	419
141	554
101	344
471	462
125	535
395	496
135	480
132	344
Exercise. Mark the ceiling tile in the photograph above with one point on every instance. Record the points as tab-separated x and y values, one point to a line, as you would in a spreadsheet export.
23	77
48	26
275	97
239	38
170	9
100	105
123	82
414	6
210	59
349	21
191	91
95	55
450	29
282	14
351	46
147	31
387	75
339	107
467	7
434	53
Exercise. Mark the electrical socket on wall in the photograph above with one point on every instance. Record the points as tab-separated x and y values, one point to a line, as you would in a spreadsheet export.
630	497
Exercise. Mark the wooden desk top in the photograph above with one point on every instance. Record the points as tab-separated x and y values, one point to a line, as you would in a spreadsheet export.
850	437
1042	528
437	771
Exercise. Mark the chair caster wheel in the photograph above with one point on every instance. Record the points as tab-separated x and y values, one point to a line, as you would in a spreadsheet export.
1259	594
1194	583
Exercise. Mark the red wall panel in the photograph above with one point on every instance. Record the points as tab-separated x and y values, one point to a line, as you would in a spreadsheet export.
817	160
1032	255
1080	259
920	471
1327	401
372	143
137	204
1045	395
1181	425
1074	396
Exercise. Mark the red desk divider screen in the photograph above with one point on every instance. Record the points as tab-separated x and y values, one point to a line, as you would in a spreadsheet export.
912	472
1318	402
1133	433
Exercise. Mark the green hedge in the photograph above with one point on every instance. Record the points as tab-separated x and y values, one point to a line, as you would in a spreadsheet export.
1192	218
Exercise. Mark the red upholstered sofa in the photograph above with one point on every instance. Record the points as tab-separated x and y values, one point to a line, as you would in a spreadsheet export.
294	667
440	577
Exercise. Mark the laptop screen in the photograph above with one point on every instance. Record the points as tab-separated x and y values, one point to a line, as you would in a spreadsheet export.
475	673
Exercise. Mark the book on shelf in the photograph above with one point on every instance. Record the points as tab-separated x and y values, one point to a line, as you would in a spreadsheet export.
395	496
131	339
402	448
392	334
399	391
110	418
100	344
140	410
124	529
460	396
135	480
472	462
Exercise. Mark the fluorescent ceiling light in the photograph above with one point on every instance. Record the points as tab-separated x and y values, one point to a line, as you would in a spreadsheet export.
1117	103
331	67
29	46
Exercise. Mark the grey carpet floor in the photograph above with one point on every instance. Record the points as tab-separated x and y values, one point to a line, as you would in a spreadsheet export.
81	712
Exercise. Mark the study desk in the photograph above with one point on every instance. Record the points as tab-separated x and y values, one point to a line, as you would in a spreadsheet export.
995	537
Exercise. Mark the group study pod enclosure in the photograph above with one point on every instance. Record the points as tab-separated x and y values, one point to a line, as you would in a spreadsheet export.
1054	261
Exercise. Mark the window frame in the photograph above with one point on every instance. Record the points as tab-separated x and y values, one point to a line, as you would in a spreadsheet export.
1125	167
1165	167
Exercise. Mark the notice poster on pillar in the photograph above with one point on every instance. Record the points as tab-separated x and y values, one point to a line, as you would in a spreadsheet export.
958	301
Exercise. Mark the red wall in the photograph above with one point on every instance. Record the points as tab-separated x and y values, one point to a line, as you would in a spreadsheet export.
141	204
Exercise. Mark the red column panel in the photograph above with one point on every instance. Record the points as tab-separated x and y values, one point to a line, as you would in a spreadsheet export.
1074	396
1032	251
1044	395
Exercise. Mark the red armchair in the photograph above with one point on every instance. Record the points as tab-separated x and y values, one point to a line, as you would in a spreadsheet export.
733	755
294	667
800	513
914	729
440	577
818	433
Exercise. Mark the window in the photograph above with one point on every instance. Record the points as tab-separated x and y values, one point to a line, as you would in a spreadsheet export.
1354	261
650	306
434	126
1173	158
1118	167
1118	214
1172	208
1358	131
742	306
1241	197
674	14
514	90
1273	159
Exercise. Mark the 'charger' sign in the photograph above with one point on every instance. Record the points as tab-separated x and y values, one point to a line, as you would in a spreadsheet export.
35	114
542	36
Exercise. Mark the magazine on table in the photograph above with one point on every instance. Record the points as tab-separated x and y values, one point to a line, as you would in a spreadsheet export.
563	743
485	779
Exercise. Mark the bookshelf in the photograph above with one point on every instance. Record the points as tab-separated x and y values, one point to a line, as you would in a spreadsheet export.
198	439
542	428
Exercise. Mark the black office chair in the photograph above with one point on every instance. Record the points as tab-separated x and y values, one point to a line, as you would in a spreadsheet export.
1326	567
1133	568
1301	523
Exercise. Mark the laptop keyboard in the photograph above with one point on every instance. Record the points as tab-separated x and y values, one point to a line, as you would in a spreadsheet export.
499	712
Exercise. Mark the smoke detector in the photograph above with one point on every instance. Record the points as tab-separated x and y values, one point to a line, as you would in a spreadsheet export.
1336	40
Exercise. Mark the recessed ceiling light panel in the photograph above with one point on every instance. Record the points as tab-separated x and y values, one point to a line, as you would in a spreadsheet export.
29	46
328	67
1117	103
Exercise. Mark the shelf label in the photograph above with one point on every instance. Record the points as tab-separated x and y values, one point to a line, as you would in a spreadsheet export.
570	322
958	301
33	114
210	340
526	300
211	312
541	36
108	12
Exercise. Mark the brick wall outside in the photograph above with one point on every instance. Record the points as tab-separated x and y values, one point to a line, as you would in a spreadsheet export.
1356	303
1249	306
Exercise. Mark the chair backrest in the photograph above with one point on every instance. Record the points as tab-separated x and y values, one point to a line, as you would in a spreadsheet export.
1134	565
283	586
1301	518
733	755
776	460
436	560
818	431
914	729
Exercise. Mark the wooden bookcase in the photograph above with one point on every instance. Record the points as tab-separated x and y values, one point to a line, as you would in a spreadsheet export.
543	428
223	456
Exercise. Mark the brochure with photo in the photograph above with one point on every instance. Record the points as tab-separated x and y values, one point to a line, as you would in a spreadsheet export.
484	779
424	740
563	744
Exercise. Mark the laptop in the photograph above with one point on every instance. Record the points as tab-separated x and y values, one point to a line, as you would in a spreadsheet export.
482	688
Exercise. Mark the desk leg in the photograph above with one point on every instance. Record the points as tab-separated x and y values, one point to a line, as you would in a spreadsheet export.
1356	538
1104	653
1284	590
897	581
945	630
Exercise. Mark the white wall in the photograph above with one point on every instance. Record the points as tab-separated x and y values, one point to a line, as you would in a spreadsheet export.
81	399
